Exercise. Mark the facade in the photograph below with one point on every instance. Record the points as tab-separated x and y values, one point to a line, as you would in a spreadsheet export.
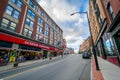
86	45
68	51
108	40
27	32
94	25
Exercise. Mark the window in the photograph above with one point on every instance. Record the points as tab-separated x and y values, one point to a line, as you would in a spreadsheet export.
45	40
9	10
29	22
12	12
46	26
38	37
51	30
12	26
13	1
40	21
7	24
4	23
32	5
39	29
41	13
16	14
46	33
110	11
31	13
30	34
25	32
17	2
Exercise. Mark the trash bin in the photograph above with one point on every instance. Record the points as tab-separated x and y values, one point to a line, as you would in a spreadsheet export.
15	64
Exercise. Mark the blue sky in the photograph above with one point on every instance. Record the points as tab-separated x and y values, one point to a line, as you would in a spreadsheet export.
75	28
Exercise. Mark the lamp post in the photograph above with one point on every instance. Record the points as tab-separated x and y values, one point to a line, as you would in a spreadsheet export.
94	52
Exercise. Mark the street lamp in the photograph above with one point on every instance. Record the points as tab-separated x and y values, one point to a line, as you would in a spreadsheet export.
94	52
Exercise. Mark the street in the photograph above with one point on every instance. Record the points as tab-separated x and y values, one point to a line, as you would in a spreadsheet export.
70	67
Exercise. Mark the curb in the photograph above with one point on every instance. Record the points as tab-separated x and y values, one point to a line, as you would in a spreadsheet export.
91	71
23	64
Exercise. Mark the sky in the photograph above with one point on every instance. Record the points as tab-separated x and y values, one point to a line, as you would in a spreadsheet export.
75	28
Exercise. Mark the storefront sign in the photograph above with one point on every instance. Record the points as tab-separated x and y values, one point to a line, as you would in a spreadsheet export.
17	40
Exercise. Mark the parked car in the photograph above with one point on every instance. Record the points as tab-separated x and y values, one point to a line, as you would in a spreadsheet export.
86	55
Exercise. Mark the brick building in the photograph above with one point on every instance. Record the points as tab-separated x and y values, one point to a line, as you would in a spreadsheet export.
94	25
86	45
27	31
108	39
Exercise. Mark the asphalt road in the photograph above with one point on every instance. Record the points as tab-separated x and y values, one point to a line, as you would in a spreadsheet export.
71	67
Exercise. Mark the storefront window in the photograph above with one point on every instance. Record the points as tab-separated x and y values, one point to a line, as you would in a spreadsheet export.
108	44
4	56
109	47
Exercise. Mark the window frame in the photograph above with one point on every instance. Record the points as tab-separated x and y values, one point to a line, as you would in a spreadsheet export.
31	13
32	4
8	26
18	3
110	11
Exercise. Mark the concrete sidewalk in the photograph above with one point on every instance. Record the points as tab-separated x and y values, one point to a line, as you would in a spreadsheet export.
108	71
10	65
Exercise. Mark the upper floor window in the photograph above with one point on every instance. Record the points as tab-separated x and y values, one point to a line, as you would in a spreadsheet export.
110	11
7	24
41	13
51	30
29	22
38	37
27	32
39	29
46	33
16	14
17	2
13	12
40	21
31	13
46	40
46	26
32	5
9	10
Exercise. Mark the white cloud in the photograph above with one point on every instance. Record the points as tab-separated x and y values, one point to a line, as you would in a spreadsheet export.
74	27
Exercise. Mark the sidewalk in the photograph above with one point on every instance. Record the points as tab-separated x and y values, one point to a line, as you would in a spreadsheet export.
108	71
10	65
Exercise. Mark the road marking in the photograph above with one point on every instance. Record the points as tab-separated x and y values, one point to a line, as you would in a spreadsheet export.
30	70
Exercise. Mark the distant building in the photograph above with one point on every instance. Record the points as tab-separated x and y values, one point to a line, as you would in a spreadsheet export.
86	45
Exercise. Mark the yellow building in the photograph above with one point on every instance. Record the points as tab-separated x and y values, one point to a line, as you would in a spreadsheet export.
94	25
86	45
